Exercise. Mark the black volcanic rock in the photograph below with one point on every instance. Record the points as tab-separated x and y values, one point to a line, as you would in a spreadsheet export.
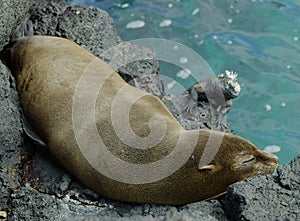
267	197
34	187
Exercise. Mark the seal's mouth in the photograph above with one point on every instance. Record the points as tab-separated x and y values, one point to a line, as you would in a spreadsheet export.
266	169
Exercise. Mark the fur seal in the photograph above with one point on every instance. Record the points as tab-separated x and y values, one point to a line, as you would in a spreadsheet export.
48	71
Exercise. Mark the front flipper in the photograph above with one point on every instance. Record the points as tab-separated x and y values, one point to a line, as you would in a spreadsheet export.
31	134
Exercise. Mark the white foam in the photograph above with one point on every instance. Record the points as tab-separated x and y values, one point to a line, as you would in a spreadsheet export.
165	23
171	84
268	107
196	11
126	5
183	60
184	73
135	24
272	149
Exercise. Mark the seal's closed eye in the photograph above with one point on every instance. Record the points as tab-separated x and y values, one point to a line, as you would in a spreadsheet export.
249	160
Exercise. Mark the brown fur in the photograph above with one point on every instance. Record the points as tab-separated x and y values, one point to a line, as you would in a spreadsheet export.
47	70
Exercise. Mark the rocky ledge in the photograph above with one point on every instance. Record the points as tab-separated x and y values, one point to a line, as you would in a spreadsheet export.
34	187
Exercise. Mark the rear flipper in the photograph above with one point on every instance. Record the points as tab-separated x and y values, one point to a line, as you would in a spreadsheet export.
24	29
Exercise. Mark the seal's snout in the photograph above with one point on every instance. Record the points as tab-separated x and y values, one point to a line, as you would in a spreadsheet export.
269	162
268	157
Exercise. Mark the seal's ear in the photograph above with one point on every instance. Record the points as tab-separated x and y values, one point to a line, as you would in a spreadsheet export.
207	167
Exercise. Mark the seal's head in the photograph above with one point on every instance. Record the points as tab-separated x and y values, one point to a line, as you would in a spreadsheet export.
219	160
237	159
253	161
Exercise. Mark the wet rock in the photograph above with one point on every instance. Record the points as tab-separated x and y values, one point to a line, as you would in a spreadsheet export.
266	197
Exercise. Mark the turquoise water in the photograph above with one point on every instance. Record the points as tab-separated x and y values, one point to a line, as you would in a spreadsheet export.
260	40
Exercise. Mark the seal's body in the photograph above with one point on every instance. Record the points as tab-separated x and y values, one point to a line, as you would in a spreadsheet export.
49	70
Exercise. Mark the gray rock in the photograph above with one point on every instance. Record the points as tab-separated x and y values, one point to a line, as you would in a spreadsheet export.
45	175
267	197
10	123
10	135
94	30
289	175
186	215
91	28
27	204
109	218
213	208
12	12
